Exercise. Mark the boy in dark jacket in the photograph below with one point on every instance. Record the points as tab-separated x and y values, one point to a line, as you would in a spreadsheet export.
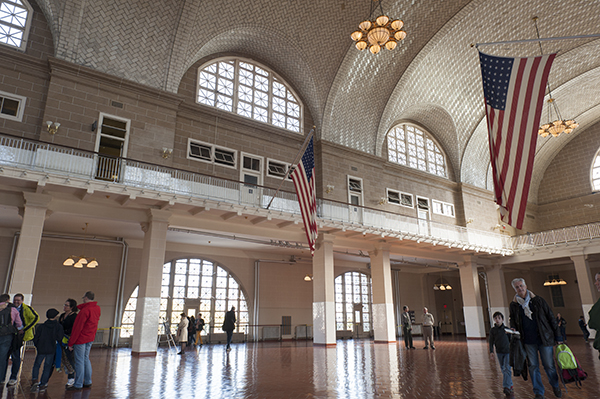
45	340
499	338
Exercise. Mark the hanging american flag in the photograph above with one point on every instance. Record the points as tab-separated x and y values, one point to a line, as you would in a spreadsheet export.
303	177
514	96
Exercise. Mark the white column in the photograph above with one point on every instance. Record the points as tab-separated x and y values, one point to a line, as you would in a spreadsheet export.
469	282
585	282
323	292
148	303
383	302
28	248
499	299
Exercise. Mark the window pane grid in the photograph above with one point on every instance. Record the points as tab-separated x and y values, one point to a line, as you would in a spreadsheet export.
410	146
250	91
353	288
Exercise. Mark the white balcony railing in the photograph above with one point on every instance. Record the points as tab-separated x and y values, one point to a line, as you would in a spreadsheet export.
51	158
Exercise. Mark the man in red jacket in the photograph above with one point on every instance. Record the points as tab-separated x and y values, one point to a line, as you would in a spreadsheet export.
82	337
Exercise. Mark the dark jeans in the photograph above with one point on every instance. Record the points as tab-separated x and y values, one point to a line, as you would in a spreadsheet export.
16	363
48	361
5	343
229	337
407	332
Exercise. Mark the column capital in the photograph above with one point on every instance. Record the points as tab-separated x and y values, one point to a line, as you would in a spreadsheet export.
158	215
579	256
37	200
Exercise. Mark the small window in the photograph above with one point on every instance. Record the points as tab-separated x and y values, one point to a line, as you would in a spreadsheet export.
210	153
407	199
200	151
251	171
224	157
422	204
393	197
277	169
443	208
399	198
251	163
11	106
355	185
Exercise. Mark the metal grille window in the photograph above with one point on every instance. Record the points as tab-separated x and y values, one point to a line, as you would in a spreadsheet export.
276	169
194	280
352	292
211	153
15	20
247	89
410	146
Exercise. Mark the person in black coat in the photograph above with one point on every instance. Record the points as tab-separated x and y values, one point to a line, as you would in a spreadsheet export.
499	339
532	317
47	336
67	319
229	326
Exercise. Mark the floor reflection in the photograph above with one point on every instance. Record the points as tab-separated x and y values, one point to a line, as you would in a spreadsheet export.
353	369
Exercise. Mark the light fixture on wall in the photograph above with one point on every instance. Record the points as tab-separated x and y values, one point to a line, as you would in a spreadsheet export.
553	282
52	127
556	124
167	152
329	189
383	31
382	201
79	262
308	278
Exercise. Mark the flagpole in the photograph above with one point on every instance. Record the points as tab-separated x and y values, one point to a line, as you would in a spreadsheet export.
547	39
296	159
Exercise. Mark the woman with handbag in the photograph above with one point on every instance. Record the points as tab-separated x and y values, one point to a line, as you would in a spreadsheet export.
67	319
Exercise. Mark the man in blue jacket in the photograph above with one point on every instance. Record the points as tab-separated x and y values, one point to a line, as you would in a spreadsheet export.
533	318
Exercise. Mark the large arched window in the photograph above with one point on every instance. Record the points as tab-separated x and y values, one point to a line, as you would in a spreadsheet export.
250	90
193	286
596	172
353	299
15	20
409	145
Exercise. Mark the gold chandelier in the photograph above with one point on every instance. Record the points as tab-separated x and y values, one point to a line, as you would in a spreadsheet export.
553	282
558	125
375	34
80	261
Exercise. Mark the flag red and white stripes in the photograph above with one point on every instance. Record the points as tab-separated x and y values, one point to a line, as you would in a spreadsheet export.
303	177
514	91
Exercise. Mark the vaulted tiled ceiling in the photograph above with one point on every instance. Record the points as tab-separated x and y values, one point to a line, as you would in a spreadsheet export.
354	97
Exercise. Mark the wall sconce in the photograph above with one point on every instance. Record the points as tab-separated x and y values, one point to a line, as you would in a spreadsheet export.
470	221
308	278
167	152
52	127
329	188
382	201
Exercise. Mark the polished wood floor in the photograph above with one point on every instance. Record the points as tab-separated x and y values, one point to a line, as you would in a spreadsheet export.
353	369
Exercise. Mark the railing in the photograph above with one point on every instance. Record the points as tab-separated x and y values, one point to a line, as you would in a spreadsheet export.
47	157
564	235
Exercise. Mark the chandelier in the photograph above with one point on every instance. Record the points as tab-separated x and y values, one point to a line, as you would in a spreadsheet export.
375	34
554	281
558	125
80	261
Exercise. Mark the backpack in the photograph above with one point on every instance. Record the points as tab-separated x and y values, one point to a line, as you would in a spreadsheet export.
6	324
570	370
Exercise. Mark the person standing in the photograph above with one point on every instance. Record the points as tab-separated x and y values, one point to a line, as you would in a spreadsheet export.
562	326
406	328
182	333
199	328
428	321
191	331
29	317
594	314
82	337
531	316
46	338
67	320
499	339
229	326
584	330
10	323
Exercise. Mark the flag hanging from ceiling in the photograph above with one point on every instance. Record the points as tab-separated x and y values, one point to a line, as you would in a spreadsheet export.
514	91
303	177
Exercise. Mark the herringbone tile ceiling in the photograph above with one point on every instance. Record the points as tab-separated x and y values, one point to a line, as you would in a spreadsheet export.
354	98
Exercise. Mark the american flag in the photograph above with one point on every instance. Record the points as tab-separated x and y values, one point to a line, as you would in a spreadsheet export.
303	177
514	91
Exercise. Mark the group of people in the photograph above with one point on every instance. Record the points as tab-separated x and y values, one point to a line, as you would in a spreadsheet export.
63	340
190	329
428	322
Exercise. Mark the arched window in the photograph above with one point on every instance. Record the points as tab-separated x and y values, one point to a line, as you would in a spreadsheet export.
193	286
249	90
596	172
353	299
409	145
15	20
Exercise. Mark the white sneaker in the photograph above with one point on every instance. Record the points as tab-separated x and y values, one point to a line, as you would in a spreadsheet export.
11	383
70	381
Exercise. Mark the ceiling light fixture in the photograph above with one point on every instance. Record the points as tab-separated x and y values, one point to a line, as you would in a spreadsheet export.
554	282
556	124
380	32
79	262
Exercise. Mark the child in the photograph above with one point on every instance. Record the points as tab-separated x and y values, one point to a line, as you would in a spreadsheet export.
45	340
499	338
584	330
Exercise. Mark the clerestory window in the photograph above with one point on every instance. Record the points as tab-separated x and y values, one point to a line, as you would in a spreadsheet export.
250	90
409	145
596	172
15	21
